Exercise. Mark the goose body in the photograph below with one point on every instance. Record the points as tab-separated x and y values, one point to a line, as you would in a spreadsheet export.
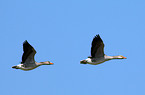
28	61
97	53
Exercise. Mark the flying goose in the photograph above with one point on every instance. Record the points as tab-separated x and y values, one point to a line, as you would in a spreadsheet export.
97	53
28	61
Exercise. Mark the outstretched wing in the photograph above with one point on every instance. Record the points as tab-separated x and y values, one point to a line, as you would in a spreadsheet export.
29	53
97	49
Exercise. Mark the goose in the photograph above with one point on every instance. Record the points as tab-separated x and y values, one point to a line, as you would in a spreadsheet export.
97	53
28	61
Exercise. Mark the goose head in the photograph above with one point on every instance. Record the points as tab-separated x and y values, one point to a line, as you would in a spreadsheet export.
83	62
15	67
120	57
46	63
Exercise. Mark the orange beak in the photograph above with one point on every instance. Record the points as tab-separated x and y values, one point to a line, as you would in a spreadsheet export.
51	63
124	57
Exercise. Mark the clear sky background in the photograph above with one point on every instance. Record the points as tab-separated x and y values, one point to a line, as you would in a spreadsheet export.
61	31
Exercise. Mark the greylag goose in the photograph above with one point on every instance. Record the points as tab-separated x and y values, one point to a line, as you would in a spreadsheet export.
97	53
28	61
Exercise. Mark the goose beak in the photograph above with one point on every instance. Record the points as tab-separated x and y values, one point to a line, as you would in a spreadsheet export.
51	63
124	58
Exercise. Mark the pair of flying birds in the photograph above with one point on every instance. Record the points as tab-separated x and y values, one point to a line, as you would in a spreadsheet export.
97	56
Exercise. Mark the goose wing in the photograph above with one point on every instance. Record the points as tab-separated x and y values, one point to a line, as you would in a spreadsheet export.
97	49
29	53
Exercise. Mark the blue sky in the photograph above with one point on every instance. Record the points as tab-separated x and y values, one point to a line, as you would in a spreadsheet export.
61	31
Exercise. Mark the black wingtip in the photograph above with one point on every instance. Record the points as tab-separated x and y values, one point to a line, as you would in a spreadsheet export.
25	42
97	36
